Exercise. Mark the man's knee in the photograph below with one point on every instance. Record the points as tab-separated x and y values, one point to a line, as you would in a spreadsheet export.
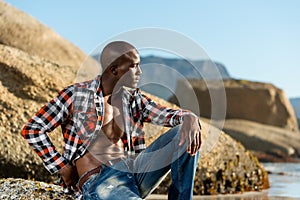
175	131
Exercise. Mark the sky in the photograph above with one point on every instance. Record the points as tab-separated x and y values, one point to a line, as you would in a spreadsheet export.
256	40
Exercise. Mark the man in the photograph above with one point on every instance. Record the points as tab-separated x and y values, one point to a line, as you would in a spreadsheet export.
105	155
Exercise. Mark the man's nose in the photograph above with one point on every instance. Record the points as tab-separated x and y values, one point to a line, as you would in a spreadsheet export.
139	70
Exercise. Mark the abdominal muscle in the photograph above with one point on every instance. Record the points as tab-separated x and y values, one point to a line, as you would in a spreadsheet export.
107	146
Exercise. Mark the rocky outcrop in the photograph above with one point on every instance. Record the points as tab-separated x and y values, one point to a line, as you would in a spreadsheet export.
22	31
225	166
27	190
268	143
28	80
254	101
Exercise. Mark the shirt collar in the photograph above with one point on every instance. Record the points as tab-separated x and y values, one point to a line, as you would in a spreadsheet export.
97	89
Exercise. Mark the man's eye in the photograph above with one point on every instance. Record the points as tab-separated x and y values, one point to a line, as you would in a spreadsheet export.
134	65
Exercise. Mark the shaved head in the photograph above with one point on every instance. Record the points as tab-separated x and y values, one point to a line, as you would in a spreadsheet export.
115	53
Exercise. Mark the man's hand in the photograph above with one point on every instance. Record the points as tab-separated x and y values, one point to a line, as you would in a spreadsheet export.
191	134
70	176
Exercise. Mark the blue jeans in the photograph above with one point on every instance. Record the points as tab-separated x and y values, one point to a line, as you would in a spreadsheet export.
137	178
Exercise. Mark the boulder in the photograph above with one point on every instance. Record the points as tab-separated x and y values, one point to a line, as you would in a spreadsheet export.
22	31
254	101
27	190
225	165
26	83
268	143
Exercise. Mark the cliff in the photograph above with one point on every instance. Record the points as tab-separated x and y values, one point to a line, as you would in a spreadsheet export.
255	101
256	113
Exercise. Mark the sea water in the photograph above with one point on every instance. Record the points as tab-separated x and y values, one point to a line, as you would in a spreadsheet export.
284	179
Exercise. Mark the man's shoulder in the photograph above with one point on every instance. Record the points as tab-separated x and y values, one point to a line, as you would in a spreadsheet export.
78	89
75	86
82	85
86	86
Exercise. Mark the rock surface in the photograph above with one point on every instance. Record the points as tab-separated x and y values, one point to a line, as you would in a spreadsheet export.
225	166
269	143
22	31
26	82
27	190
253	101
29	79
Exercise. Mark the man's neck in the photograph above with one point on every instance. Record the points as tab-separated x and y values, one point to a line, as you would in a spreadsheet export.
107	85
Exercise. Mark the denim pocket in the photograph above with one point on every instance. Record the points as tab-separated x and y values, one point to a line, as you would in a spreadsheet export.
89	182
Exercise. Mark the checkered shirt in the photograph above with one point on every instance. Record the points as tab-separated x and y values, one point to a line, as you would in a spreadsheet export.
79	110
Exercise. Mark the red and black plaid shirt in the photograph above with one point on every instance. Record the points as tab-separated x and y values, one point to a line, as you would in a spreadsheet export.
79	110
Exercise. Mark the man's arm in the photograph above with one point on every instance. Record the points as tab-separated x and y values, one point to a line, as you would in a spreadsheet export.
161	115
46	120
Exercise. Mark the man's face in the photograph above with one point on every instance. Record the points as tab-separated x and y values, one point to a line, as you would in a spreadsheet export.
130	71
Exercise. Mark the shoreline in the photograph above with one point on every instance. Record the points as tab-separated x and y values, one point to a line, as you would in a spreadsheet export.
243	196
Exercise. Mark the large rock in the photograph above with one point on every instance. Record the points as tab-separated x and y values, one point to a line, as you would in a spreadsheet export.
268	143
22	31
225	166
253	101
26	83
27	190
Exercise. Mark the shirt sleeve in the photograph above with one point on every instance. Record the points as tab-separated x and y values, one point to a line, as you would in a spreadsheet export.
46	120
161	115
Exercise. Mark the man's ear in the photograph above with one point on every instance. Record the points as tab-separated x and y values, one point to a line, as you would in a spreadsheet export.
113	70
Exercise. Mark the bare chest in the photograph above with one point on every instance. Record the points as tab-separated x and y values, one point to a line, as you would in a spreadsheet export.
112	123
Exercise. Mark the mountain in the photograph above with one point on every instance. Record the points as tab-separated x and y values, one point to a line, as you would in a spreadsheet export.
296	104
160	75
190	68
